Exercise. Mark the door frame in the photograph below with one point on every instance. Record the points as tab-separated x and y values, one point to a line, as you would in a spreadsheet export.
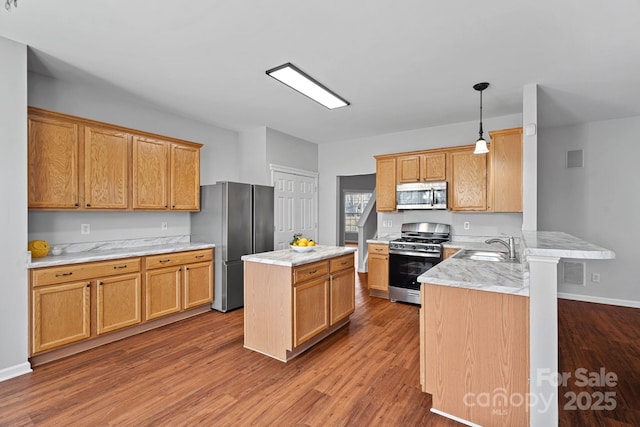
273	168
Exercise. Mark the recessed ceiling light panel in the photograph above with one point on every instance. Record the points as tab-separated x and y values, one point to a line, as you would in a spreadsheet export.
296	79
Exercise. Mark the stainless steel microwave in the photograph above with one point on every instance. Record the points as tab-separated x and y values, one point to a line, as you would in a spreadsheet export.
422	195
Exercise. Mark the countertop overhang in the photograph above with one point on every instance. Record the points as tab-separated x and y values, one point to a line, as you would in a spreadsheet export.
291	258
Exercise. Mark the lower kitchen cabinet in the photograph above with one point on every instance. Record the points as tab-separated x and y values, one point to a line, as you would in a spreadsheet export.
288	309
60	314
177	281
378	273
118	302
76	305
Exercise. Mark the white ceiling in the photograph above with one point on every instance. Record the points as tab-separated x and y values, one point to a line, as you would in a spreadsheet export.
403	64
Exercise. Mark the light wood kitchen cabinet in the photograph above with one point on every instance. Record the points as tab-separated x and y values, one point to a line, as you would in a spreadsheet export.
118	302
81	164
341	288
62	307
385	184
165	175
53	155
378	273
177	281
60	315
467	180
106	169
488	341
447	252
421	167
505	178
288	309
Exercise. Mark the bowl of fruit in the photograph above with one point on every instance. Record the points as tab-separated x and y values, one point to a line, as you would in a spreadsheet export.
301	244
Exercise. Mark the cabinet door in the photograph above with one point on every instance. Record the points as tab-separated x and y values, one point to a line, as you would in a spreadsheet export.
343	295
468	181
185	178
60	315
198	284
52	163
150	173
106	168
378	272
118	302
162	292
506	170
408	168
310	309
433	167
386	185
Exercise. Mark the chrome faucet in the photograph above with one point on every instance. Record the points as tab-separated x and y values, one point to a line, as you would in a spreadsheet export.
511	245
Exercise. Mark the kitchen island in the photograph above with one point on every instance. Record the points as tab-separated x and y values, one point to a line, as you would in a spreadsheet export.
293	300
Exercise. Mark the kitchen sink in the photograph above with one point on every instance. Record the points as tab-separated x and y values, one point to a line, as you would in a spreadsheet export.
480	255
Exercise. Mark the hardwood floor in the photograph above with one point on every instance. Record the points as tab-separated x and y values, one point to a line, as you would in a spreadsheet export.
196	372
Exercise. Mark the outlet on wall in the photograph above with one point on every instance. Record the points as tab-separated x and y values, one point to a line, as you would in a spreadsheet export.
595	277
465	225
164	225
85	229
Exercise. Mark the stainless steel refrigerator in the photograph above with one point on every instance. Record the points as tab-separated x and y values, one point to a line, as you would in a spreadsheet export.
238	218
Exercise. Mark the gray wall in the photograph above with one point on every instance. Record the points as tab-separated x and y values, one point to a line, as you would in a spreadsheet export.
355	157
598	203
219	159
13	192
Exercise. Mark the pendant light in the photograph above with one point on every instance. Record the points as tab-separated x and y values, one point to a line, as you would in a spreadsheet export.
481	143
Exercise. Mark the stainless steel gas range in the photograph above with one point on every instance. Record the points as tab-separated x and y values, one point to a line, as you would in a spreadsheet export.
417	250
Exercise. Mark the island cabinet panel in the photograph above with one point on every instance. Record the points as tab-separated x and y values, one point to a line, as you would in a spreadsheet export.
476	343
310	309
53	155
288	309
118	302
106	171
60	315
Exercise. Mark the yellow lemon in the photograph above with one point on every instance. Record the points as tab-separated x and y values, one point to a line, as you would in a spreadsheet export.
303	240
311	243
302	243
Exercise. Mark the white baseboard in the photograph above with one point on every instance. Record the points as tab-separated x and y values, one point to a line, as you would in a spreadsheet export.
15	371
599	300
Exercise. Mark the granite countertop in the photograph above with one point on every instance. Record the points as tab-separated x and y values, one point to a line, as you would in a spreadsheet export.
101	251
290	258
384	239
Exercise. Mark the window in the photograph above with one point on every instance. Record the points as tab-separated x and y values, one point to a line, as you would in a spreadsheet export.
354	204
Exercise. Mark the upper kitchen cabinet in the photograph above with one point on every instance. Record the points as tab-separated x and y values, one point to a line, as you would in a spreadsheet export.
505	178
421	167
53	152
106	169
385	184
467	180
166	175
80	164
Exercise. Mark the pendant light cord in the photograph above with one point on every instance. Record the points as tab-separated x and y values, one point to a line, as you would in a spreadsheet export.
480	133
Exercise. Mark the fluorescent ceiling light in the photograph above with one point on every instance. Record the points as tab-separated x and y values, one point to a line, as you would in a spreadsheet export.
296	79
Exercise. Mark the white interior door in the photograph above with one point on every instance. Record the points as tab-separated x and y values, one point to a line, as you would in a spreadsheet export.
296	206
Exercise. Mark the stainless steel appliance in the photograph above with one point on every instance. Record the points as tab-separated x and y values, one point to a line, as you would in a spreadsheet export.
422	195
417	250
238	218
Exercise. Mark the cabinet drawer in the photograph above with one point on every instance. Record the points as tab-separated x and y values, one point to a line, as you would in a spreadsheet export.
178	258
84	271
341	263
378	248
310	271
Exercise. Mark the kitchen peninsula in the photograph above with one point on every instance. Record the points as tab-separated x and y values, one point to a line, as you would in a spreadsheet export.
294	300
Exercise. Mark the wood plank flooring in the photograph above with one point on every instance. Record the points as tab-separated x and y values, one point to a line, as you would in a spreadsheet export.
196	372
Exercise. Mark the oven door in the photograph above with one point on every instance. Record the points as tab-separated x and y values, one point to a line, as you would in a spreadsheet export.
404	269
